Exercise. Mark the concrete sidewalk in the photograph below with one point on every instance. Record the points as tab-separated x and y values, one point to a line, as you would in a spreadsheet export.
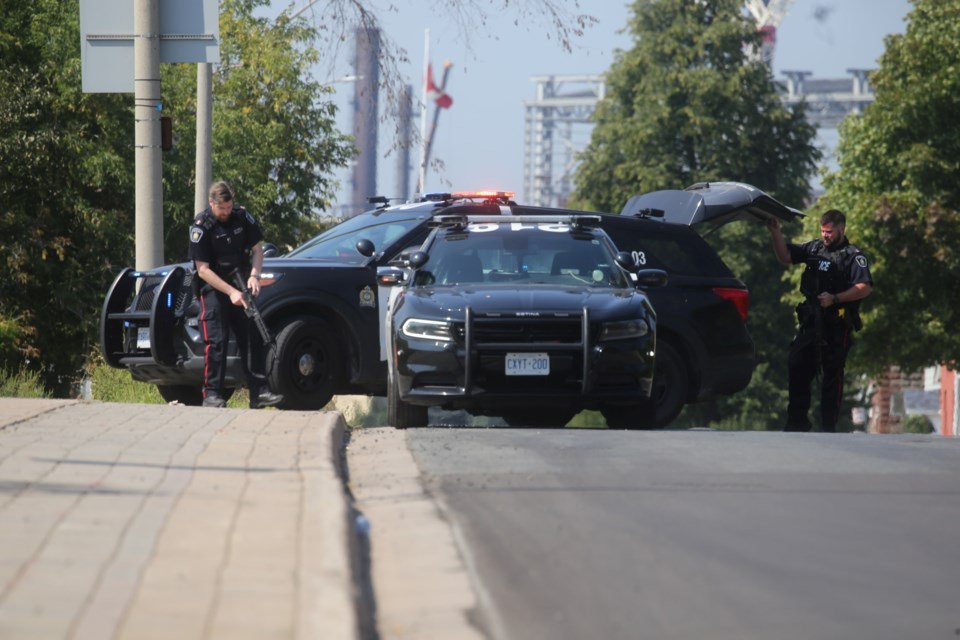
155	521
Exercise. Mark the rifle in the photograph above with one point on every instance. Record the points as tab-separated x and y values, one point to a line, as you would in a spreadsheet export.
251	309
253	312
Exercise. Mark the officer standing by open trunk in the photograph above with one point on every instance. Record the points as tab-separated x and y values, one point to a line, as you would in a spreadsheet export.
836	278
225	240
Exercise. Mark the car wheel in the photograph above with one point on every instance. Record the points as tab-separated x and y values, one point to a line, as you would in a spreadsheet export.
670	386
539	419
306	364
400	414
185	394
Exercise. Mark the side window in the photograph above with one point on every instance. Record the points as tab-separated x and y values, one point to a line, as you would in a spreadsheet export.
399	252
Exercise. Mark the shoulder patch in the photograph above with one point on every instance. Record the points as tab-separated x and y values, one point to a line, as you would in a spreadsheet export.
249	217
862	261
195	234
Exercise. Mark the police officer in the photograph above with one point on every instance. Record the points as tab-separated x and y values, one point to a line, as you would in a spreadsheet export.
836	278
225	238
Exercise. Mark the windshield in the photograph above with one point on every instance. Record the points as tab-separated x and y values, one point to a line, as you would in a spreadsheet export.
521	254
340	242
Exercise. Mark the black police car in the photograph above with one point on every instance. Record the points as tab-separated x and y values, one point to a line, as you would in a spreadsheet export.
326	308
532	318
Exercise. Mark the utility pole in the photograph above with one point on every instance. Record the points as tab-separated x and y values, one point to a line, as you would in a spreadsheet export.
204	162
146	92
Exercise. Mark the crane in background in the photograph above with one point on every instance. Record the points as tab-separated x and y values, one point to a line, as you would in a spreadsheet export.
768	15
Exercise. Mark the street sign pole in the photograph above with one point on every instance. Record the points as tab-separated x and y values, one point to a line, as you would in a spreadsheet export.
148	171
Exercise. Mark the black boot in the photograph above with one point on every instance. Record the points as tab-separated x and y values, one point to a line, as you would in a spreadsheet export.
212	399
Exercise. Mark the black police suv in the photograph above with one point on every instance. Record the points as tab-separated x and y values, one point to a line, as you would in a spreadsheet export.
326	308
532	318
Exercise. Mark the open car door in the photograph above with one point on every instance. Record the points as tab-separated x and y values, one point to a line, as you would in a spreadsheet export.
716	203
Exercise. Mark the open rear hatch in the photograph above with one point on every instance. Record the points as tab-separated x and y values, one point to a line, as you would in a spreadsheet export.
716	203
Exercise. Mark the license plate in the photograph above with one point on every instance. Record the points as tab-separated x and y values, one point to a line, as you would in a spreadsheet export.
527	364
143	337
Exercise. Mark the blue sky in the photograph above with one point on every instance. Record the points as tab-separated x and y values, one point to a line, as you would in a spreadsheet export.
480	138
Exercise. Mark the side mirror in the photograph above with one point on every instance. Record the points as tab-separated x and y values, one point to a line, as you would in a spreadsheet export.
625	261
270	250
390	276
651	278
365	247
418	259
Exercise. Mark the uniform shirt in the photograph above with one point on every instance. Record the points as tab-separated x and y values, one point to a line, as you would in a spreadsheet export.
830	271
224	245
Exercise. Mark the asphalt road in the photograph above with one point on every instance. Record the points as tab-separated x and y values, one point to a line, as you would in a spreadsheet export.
695	534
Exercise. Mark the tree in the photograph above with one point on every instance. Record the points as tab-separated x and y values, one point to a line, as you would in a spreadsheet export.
65	186
897	183
66	166
274	135
688	104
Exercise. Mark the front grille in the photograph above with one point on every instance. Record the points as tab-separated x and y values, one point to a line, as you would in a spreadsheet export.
144	299
147	290
486	338
513	330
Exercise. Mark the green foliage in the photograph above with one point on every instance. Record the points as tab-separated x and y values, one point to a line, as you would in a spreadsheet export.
67	166
686	104
274	136
115	385
916	424
25	383
897	182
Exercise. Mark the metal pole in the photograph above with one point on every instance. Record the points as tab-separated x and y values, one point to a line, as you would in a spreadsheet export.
403	156
422	166
204	162
146	83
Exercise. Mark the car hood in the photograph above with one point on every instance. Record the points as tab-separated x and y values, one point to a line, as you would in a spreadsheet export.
528	301
716	202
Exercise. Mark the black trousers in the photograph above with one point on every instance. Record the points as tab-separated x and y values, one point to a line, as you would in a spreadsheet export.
219	317
802	366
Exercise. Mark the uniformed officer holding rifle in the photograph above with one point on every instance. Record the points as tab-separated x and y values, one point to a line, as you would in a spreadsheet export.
836	278
225	239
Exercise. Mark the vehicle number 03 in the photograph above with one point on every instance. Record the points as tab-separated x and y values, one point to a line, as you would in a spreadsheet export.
640	257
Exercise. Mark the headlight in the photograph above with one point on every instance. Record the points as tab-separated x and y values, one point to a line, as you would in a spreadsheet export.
623	329
427	329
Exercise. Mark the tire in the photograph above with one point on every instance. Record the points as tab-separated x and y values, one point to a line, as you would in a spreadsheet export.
307	365
671	384
185	394
667	397
540	419
402	415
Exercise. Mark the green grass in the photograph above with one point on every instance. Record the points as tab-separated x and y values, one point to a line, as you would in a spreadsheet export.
22	384
116	385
